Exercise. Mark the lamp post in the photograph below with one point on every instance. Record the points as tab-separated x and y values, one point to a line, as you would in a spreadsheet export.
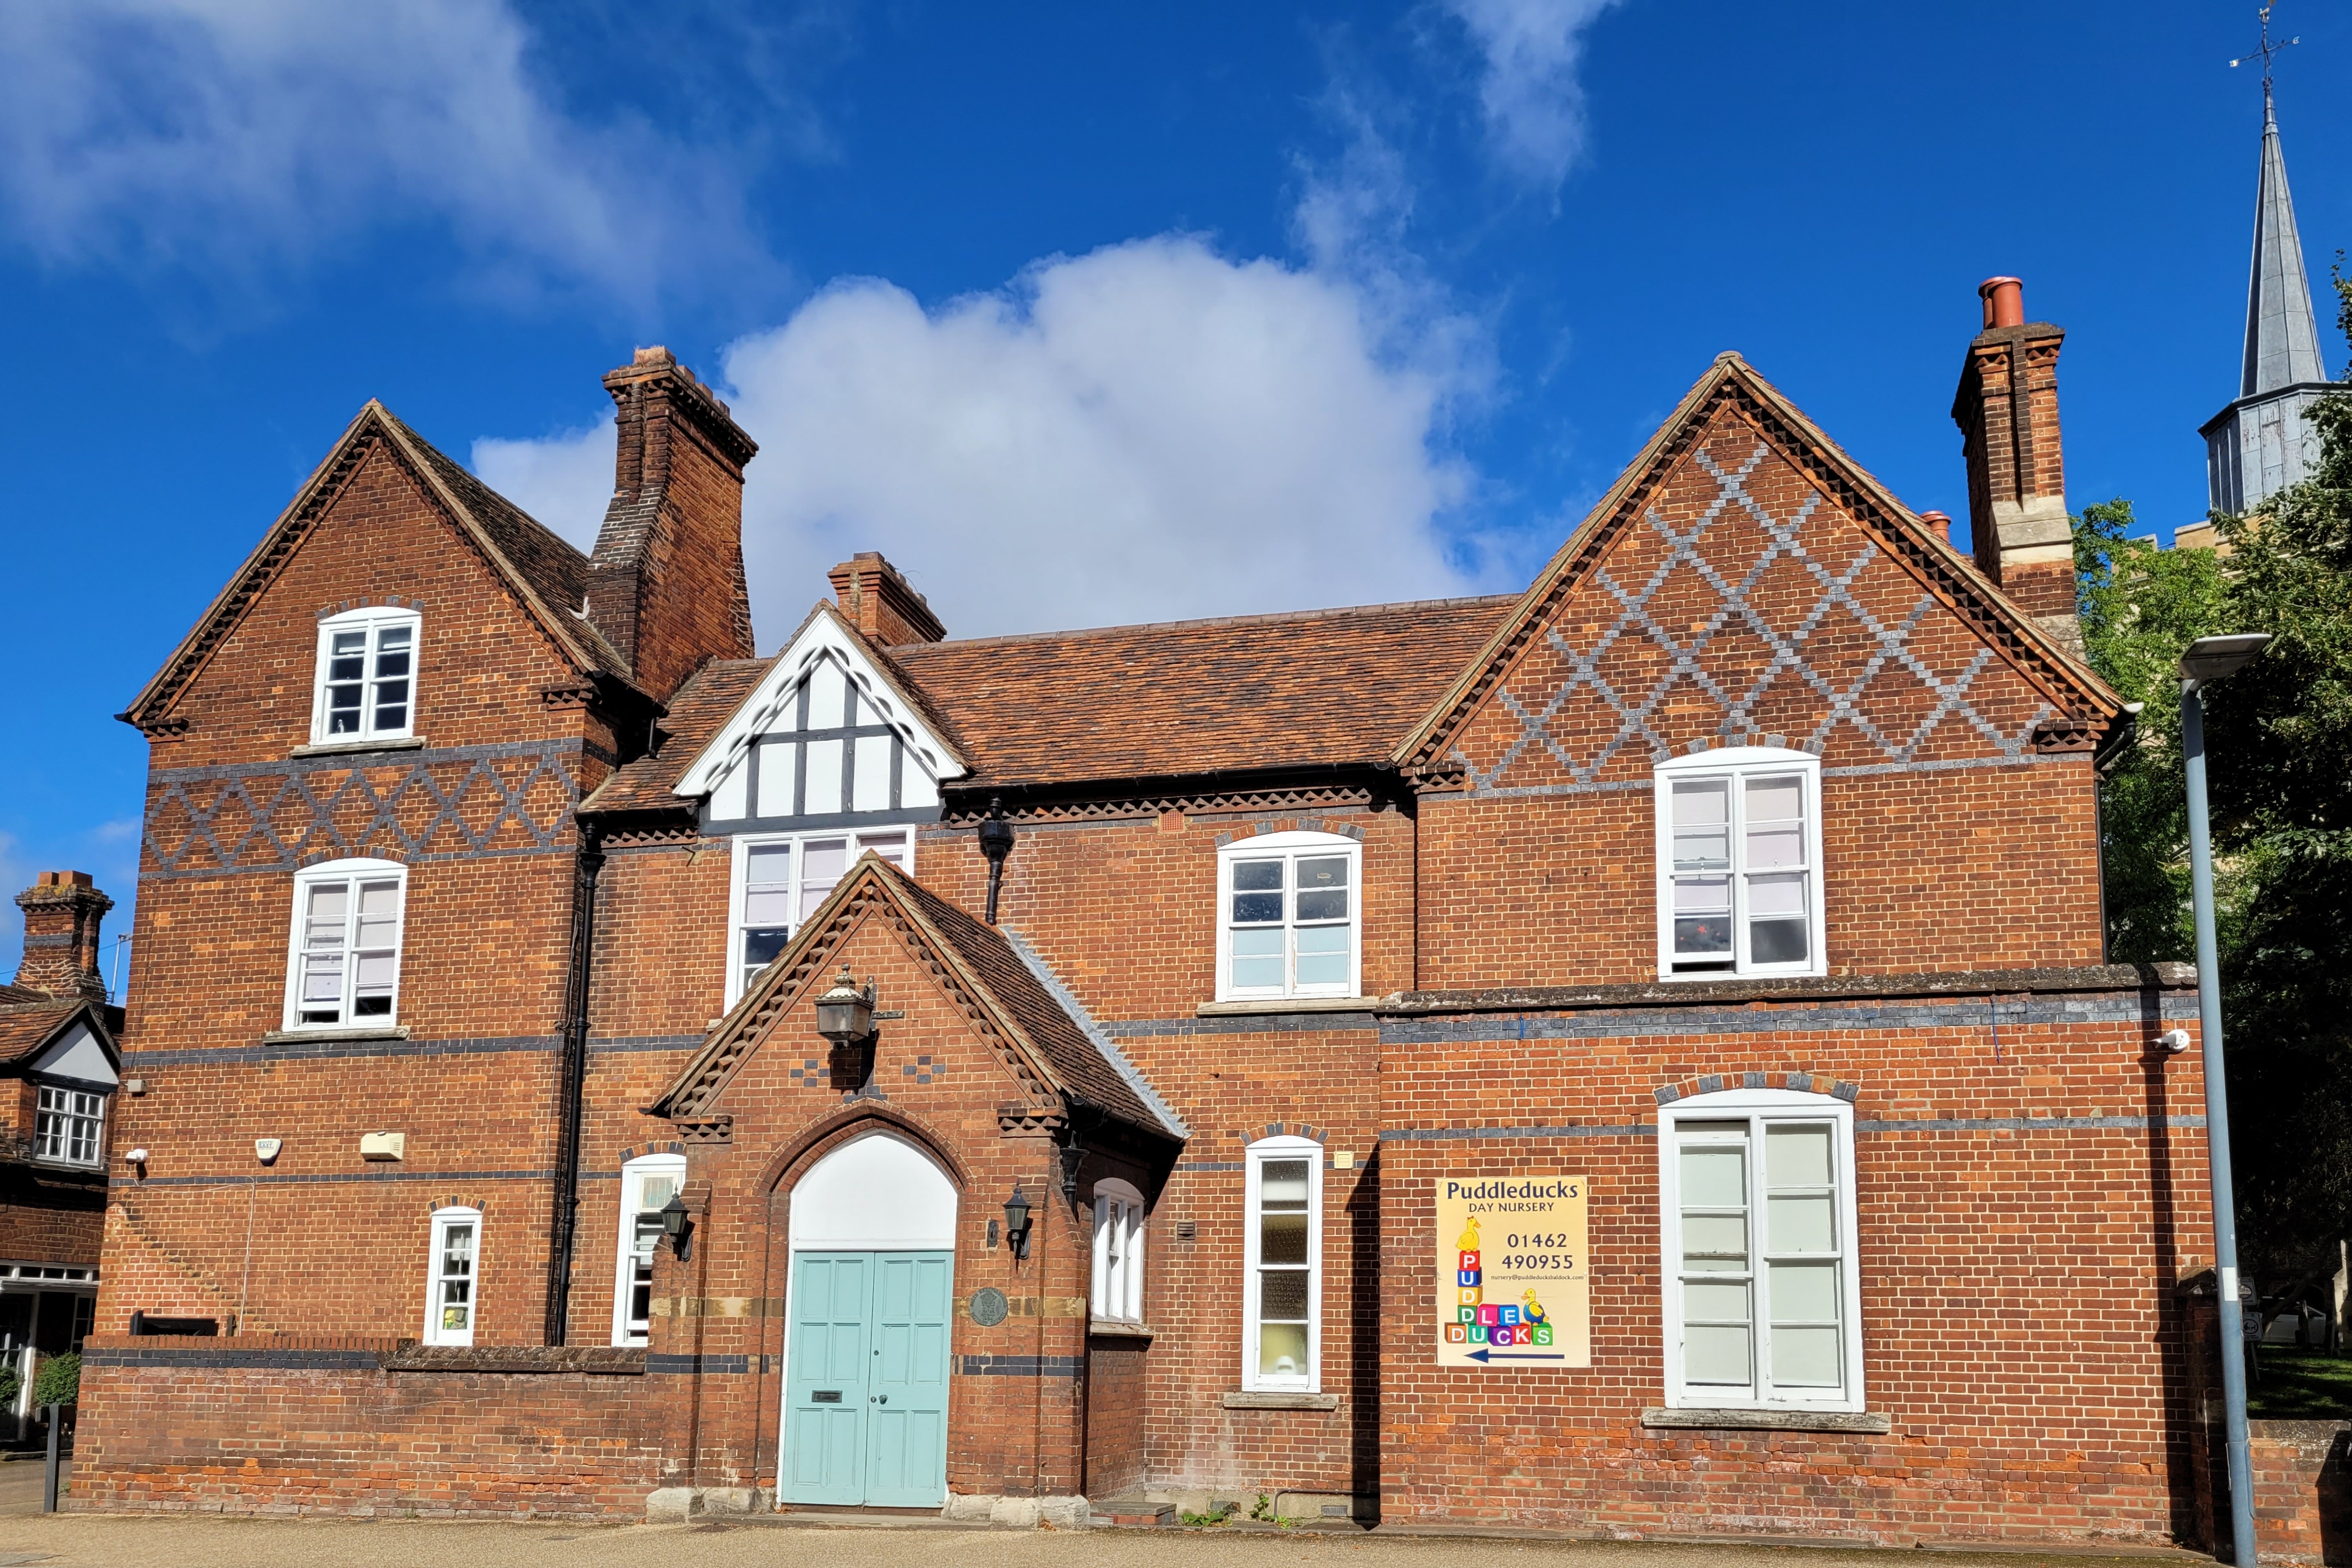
2207	660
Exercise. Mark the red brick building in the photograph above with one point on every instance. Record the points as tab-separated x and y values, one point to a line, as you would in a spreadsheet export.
58	1075
1631	1055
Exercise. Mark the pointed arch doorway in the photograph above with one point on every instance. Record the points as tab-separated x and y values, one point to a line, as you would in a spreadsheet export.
872	1231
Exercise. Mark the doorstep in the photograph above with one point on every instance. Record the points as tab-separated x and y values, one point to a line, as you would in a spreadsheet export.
1132	1513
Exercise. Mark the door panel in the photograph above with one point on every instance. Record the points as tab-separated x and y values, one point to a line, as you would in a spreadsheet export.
824	1394
907	1409
866	1393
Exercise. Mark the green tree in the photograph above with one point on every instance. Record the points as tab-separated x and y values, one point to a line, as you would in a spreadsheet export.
2280	735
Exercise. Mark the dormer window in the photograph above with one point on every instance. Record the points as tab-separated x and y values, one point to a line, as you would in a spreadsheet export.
367	685
71	1127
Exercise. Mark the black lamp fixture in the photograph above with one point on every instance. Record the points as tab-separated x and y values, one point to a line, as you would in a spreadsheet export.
995	844
674	1219
1016	1222
844	1014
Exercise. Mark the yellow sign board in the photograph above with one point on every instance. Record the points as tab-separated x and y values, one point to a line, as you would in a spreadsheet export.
1512	1285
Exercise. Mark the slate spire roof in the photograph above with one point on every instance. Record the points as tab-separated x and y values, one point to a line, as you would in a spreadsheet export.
2281	333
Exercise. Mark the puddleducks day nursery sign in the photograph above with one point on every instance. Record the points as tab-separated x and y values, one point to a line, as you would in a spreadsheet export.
1512	1285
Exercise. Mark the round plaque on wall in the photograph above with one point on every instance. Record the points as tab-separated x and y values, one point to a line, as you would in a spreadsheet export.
988	1306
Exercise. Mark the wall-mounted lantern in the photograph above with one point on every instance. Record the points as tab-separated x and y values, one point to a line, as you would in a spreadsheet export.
1016	1222
844	1014
676	1222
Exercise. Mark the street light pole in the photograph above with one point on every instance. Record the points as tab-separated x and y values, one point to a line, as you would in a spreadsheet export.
2207	660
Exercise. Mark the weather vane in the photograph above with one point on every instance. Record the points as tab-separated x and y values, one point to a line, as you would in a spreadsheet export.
2267	51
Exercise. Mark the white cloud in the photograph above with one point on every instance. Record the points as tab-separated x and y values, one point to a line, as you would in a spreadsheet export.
1534	105
1148	432
234	136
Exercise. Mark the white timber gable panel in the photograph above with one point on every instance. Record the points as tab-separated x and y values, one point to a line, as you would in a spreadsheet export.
824	739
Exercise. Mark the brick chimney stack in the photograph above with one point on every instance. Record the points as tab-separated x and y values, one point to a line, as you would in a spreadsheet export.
667	588
62	911
2007	409
877	600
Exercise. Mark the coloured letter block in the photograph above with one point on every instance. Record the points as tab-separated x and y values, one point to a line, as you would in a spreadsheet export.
1456	1334
1469	1260
1543	1333
1490	1316
1465	1277
1470	1296
1510	1315
1465	1314
1477	1333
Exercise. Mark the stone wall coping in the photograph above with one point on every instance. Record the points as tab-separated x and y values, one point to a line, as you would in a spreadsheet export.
383	1344
1766	1420
1268	1004
610	1360
2108	977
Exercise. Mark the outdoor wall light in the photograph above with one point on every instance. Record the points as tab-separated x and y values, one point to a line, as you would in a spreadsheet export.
136	1157
1016	1222
844	1014
676	1220
2174	1041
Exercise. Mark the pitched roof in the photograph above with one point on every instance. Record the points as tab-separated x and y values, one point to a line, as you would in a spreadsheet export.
547	574
1042	1044
2070	686
698	710
26	1028
1316	689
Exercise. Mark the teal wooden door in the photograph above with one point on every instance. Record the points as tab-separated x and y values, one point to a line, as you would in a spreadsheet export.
907	1413
866	1393
824	1386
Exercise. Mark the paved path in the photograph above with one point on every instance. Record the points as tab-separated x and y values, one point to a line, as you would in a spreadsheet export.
80	1540
20	1487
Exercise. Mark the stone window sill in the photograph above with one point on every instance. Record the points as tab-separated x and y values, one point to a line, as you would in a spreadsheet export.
1282	1399
1766	1420
370	1032
336	748
1112	1329
1265	1004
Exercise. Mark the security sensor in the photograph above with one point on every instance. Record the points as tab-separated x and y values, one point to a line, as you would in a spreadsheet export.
2174	1041
266	1149
137	1156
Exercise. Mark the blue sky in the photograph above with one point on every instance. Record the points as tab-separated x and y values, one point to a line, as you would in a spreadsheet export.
1080	313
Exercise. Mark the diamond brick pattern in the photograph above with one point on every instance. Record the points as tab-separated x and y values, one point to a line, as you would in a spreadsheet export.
1745	608
458	803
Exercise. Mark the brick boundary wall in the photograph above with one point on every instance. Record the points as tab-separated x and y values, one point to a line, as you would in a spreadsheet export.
2303	1470
338	1424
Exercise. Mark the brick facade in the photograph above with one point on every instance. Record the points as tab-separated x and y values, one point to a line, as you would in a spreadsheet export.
2029	1163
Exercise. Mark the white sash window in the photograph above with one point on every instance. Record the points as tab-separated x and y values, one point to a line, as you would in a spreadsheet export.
365	688
1282	1266
647	1182
1740	856
452	1295
345	967
1289	921
1763	1302
1119	1253
782	878
71	1126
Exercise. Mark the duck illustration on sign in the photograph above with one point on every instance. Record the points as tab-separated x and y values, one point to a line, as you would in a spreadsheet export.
1513	1282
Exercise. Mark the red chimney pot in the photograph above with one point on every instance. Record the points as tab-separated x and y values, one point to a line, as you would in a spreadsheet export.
1940	522
2004	302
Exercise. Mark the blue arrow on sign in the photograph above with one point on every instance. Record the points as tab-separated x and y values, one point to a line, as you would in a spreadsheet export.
1518	1356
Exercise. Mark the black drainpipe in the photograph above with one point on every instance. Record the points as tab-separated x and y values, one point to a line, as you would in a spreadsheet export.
572	1082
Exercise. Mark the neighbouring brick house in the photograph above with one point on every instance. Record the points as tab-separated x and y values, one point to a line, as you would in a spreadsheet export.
1636	1055
59	1073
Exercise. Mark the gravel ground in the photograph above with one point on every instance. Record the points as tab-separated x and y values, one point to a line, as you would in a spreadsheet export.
80	1540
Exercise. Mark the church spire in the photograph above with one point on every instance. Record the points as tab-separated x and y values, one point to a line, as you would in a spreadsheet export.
2261	443
2281	333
